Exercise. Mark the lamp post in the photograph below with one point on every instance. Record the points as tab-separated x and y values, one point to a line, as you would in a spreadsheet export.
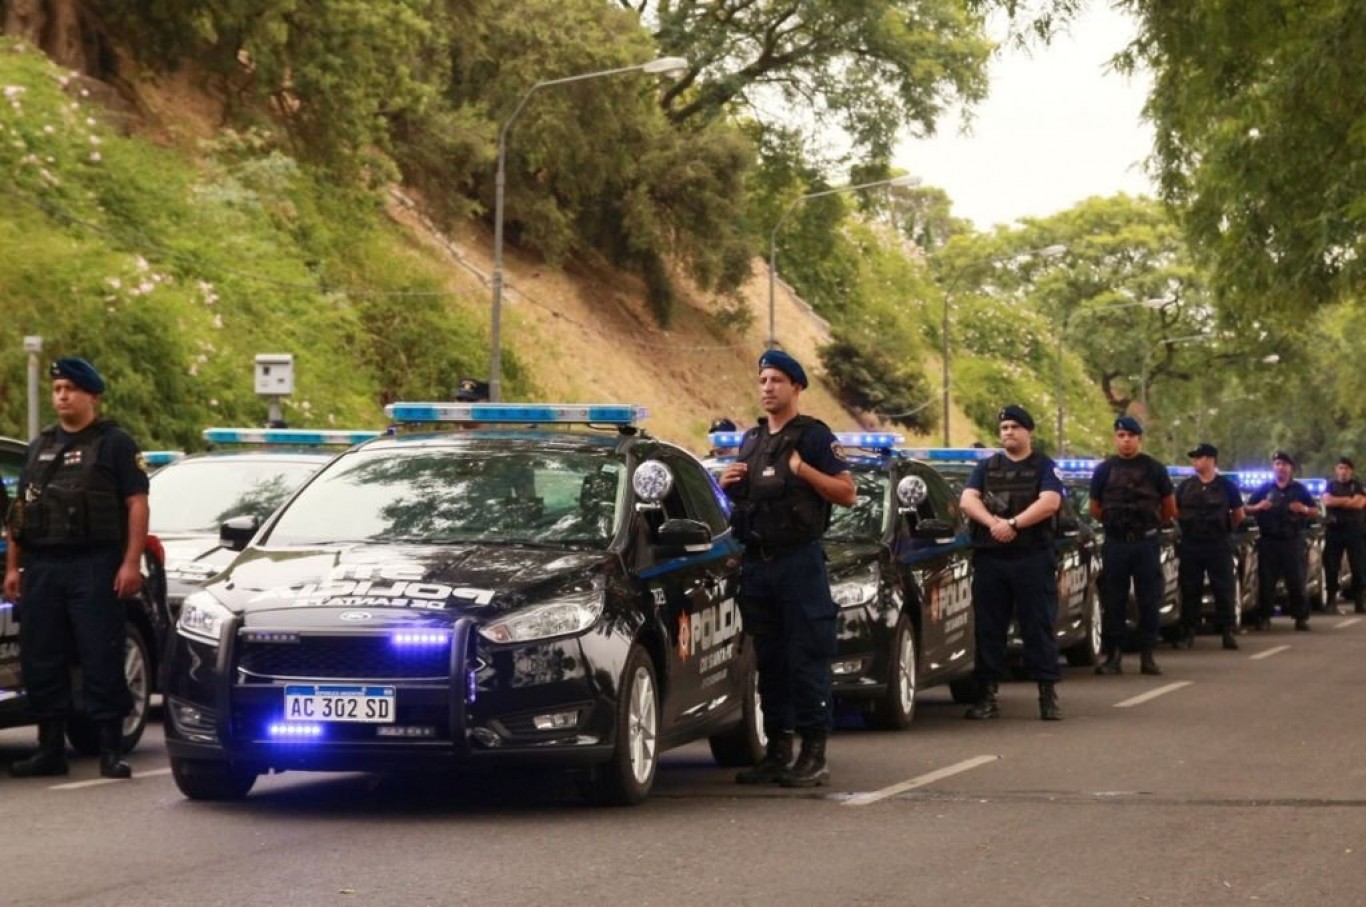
906	180
670	66
1052	251
1062	333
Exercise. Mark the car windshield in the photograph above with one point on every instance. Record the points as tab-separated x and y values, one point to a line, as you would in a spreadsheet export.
864	521
546	498
199	495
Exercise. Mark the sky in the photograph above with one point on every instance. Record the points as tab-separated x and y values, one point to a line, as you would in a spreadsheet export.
1056	128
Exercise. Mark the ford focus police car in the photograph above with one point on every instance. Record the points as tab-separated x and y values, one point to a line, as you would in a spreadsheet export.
251	473
493	595
899	563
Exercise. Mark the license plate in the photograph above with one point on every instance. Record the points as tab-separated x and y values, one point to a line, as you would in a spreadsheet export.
330	702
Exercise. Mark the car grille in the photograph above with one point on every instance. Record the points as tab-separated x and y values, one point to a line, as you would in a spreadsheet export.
336	657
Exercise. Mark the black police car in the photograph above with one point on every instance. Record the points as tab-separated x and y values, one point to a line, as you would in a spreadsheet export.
481	597
251	472
147	625
1076	544
899	568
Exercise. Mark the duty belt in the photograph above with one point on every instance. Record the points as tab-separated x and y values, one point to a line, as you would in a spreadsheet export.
767	553
1133	536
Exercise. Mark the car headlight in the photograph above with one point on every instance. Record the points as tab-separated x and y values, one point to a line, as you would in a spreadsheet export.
853	592
201	618
560	617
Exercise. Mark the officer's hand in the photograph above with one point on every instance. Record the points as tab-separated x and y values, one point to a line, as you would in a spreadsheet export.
735	472
127	581
1297	507
795	465
1001	532
12	585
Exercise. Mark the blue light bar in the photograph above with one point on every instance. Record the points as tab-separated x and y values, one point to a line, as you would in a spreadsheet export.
1252	479
291	730
1180	470
952	454
869	440
722	440
289	437
420	638
161	457
521	413
1316	486
1078	465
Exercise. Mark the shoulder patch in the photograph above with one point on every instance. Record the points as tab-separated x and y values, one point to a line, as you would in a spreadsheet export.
837	449
141	461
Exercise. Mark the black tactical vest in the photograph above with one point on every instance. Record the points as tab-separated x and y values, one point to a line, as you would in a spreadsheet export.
1204	513
1279	522
1340	519
1130	500
68	501
1008	490
773	508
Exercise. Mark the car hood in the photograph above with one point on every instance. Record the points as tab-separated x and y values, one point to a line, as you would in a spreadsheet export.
193	557
452	580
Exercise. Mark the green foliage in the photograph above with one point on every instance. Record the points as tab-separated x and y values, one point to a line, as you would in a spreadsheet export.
870	378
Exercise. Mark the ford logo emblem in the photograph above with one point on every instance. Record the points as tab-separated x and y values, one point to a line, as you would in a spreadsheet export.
355	615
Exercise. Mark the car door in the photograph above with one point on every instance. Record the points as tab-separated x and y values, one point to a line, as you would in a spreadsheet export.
938	570
11	464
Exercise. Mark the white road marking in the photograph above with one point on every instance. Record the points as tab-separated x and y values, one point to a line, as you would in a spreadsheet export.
937	775
1153	694
96	782
1347	623
1268	653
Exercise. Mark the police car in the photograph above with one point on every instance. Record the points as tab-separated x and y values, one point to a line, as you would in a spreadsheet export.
899	568
147	624
252	472
1076	544
523	590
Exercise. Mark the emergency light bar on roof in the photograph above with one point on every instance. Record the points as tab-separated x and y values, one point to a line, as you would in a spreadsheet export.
865	440
288	437
952	454
161	457
519	413
1076	465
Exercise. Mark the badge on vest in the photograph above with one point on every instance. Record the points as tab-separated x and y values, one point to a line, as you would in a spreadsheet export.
71	458
768	471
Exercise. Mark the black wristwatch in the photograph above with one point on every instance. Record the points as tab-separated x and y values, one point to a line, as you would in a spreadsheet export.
1013	523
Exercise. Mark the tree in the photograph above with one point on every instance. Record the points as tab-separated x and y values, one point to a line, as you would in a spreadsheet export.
1260	140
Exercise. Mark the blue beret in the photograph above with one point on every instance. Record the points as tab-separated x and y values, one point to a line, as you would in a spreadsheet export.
1015	413
78	372
785	364
1129	424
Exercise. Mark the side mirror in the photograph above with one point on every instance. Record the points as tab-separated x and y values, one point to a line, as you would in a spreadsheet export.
678	536
238	531
911	492
1069	527
939	530
652	483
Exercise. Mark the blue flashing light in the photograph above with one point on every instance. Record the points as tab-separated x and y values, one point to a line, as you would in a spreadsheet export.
869	440
161	457
1253	479
1078	465
952	454
289	437
520	413
417	638
293	730
1316	486
1180	470
725	440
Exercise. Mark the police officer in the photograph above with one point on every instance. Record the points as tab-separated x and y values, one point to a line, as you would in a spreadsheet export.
1344	504
788	472
1282	506
471	390
1012	498
1209	506
1131	494
78	528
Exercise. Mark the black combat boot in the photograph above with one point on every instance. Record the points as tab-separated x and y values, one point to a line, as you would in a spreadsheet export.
810	769
51	756
771	768
986	705
1230	641
1113	663
1147	664
111	745
1049	710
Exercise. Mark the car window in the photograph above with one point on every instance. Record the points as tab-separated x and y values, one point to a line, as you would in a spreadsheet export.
199	495
11	464
866	520
522	496
695	495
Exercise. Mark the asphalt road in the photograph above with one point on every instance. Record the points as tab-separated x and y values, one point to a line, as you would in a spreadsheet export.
1237	777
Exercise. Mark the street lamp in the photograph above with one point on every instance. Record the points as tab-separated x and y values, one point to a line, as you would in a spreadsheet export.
1062	333
668	66
1052	251
773	235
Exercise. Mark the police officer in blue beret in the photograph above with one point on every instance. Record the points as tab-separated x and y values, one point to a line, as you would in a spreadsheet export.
1344	503
788	472
1011	499
1131	494
1209	507
78	529
1283	508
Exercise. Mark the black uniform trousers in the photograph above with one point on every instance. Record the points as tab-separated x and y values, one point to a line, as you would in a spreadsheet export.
1352	543
1199	559
787	608
1025	583
68	600
1123	562
1281	559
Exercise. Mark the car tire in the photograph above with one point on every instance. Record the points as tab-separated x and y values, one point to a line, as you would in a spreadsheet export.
895	710
743	745
203	779
84	733
627	777
1087	651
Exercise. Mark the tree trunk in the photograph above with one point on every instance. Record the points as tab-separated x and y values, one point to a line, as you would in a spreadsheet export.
62	29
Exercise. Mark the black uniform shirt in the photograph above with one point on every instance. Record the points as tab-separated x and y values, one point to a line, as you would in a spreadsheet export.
1156	474
119	458
1279	522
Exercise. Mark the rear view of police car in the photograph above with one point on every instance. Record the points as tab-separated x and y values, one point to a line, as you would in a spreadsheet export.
510	589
